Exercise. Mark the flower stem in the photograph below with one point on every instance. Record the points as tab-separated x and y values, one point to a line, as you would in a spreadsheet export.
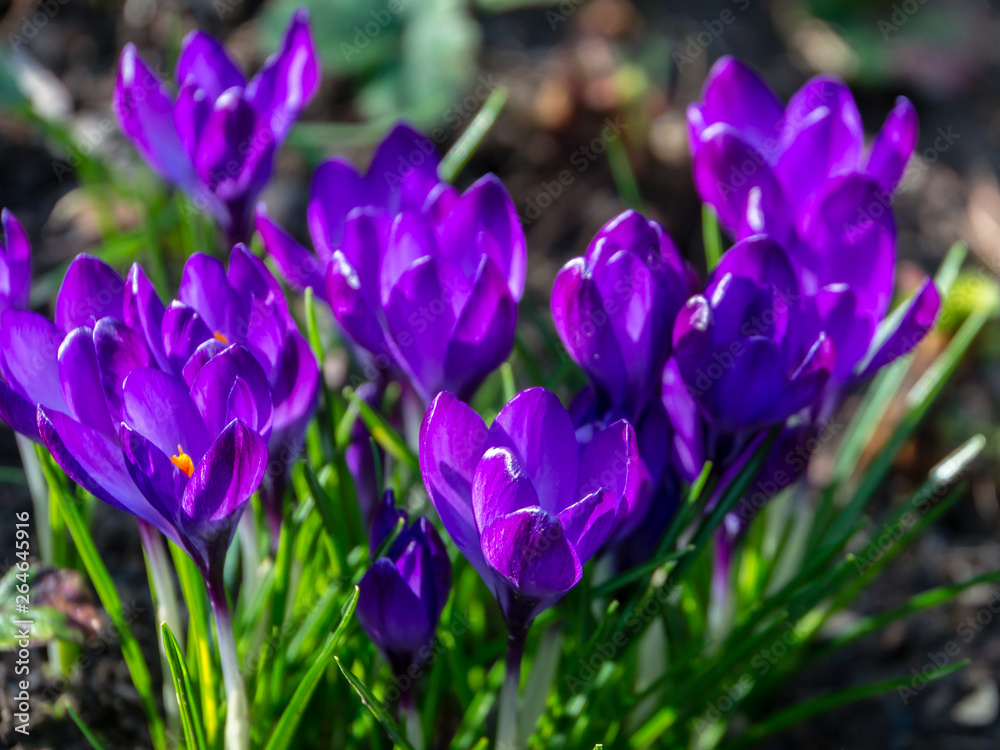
414	727
237	711
507	738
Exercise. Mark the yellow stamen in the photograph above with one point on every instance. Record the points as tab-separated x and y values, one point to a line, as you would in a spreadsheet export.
183	461
219	336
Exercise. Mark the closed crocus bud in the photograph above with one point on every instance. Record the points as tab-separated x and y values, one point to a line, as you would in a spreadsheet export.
740	350
15	263
217	138
403	593
523	500
425	280
614	308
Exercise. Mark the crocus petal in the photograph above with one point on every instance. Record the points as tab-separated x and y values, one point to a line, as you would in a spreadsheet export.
249	274
581	322
157	406
198	359
143	311
82	384
205	62
537	429
852	216
29	350
296	386
822	115
97	464
738	96
850	328
299	267
484	333
351	308
411	239
588	523
227	140
900	335
183	332
18	412
487	207
191	111
289	78
421	337
402	155
763	261
119	350
145	113
894	145
440	562
530	551
611	460
452	440
15	268
337	189
390	612
687	445
90	291
727	168
500	487
221	486
214	383
159	481
807	382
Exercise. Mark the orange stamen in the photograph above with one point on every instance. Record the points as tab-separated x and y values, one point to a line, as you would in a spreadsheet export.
219	336
183	461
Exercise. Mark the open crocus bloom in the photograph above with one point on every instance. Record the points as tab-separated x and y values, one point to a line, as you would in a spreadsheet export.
15	263
525	503
217	138
403	593
802	175
217	308
425	280
185	460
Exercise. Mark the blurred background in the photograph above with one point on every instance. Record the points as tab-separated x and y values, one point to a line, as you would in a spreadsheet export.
594	122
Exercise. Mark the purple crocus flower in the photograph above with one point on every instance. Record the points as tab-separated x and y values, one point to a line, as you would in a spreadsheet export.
15	263
523	500
242	305
740	350
423	279
403	593
614	309
217	138
802	175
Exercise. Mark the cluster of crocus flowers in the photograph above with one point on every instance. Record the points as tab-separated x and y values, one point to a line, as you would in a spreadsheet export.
423	279
164	412
217	138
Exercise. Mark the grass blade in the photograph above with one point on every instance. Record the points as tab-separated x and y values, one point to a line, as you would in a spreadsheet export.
807	709
83	728
194	734
375	706
459	154
284	732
